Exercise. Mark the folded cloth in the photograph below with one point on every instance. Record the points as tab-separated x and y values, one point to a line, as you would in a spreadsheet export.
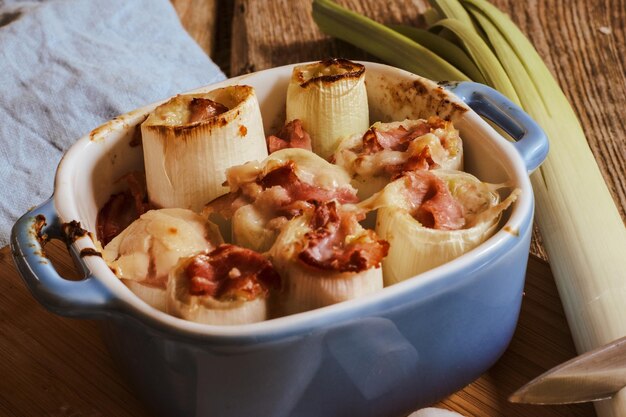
67	66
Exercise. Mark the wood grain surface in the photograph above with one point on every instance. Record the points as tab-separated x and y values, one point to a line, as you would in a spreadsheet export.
200	18
58	367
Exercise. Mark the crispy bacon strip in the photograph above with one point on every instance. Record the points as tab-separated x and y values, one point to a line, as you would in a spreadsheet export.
285	176
231	272
203	109
422	161
290	204
434	205
292	135
122	208
326	248
400	139
397	139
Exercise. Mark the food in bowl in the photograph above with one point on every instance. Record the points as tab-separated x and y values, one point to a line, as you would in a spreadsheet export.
143	254
264	195
435	216
330	99
189	141
298	210
228	285
387	353
325	256
386	150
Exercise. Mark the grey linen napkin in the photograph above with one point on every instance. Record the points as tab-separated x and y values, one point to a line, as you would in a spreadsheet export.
67	66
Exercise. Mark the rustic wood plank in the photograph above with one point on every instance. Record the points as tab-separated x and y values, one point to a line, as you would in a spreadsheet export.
221	53
199	17
54	366
278	32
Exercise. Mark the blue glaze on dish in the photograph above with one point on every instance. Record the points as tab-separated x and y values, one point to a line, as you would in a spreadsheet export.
85	298
385	356
425	346
531	141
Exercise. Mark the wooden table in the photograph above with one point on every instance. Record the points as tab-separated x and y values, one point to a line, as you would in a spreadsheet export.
58	367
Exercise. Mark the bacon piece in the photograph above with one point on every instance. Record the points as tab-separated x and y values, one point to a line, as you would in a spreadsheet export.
114	217
285	176
434	205
292	135
203	109
397	139
122	208
137	187
423	161
325	247
394	139
278	193
231	272
370	143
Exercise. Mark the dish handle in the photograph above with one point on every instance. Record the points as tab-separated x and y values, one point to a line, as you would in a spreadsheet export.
87	298
530	140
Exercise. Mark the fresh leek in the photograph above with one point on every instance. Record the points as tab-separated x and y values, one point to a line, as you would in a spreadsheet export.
480	53
382	41
431	245
442	47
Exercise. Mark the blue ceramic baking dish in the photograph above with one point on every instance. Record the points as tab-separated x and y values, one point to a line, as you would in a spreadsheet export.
406	347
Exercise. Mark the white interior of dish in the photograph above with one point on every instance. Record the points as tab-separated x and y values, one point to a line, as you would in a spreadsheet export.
89	173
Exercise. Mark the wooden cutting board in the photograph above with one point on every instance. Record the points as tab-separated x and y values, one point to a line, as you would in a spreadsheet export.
58	367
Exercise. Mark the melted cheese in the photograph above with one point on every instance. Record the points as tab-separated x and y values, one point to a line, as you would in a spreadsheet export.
148	248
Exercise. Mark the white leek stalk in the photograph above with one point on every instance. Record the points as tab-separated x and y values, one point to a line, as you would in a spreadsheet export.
250	228
257	224
430	247
435	142
382	41
306	287
310	168
143	253
584	237
330	99
185	159
209	309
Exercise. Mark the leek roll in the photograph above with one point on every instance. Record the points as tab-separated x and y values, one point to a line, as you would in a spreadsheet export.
229	285
265	195
191	140
432	217
143	253
330	99
387	150
325	257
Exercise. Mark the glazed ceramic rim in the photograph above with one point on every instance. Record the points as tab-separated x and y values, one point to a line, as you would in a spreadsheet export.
437	279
